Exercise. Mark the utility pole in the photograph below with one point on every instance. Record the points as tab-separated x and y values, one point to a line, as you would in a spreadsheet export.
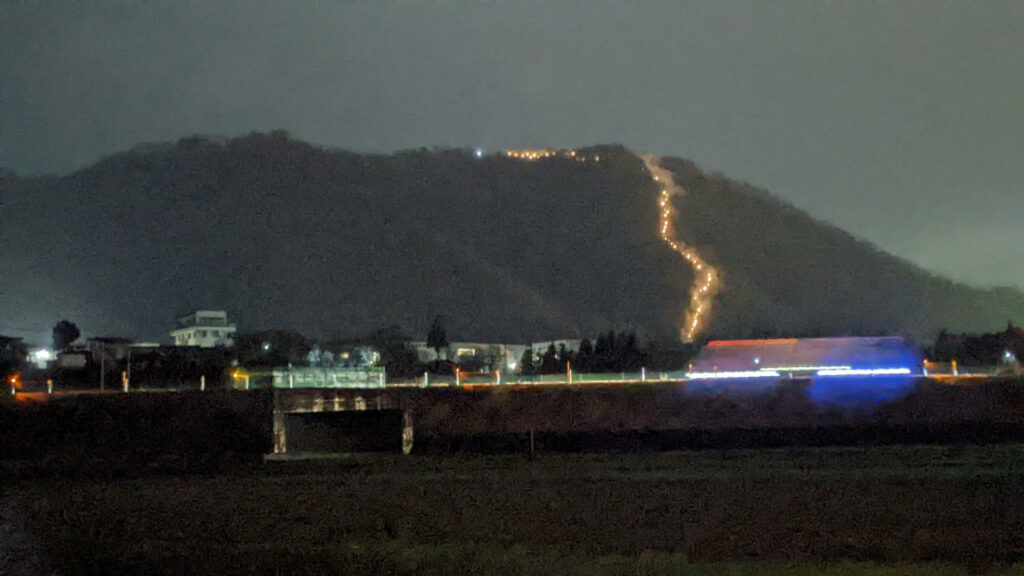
103	366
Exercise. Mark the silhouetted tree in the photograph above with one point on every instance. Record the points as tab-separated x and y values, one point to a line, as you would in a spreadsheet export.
611	342
630	359
526	367
565	357
942	350
395	355
600	358
585	356
437	339
549	362
64	333
12	355
607	359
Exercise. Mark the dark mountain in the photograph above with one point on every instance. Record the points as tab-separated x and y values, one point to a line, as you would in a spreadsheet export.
786	273
286	235
331	243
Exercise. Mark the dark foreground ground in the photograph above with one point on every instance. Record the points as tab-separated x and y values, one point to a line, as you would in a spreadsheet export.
866	510
127	434
930	482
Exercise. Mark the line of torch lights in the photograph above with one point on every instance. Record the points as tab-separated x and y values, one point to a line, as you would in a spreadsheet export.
537	154
706	284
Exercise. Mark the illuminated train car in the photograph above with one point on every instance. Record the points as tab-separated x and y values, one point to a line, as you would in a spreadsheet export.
840	370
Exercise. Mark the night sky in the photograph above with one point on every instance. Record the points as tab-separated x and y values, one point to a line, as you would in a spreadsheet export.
901	122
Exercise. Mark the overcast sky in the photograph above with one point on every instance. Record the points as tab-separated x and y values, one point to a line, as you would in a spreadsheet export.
901	122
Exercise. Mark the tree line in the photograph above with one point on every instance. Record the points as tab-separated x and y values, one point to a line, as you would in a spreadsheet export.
610	352
980	349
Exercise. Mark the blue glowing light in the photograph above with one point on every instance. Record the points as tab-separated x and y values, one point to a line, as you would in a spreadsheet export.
859	389
847	371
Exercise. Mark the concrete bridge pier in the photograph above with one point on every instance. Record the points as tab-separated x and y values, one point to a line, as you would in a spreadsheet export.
280	434
407	432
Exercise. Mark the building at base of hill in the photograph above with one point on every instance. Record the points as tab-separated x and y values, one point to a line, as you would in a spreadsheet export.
205	329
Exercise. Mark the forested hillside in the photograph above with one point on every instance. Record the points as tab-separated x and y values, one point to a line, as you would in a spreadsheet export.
331	243
286	235
786	273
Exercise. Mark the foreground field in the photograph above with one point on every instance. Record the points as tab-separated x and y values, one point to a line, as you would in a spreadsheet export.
893	510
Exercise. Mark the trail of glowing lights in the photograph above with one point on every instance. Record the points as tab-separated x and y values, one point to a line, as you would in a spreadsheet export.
534	154
706	277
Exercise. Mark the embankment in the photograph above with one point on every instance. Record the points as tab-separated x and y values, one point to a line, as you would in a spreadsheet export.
129	434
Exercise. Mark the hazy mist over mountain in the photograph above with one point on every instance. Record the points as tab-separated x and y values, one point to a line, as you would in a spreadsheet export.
287	235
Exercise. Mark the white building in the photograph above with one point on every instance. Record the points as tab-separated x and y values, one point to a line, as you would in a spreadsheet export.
205	329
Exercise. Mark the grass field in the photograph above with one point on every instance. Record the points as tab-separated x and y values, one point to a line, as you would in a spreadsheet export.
844	511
